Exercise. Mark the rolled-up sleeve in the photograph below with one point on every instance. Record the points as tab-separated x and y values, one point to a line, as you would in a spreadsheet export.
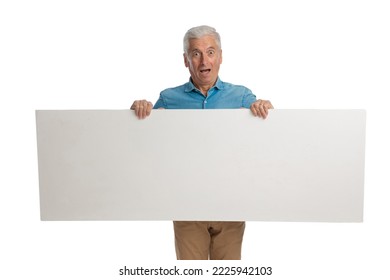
160	103
248	98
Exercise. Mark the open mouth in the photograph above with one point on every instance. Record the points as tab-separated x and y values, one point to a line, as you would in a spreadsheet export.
205	71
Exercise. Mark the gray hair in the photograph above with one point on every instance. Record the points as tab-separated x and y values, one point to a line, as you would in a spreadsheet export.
198	32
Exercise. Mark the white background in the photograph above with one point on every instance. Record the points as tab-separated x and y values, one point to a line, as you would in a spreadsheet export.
104	54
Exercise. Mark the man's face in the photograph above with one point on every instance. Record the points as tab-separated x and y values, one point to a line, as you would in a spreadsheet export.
203	60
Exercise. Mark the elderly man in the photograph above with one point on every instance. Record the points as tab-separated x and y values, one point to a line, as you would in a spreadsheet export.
203	57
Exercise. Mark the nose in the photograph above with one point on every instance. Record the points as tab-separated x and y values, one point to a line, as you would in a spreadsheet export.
203	59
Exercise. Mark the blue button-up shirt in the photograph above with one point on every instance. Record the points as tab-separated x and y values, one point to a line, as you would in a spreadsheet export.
221	96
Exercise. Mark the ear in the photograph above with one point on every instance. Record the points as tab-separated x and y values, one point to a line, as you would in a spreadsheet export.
185	60
220	60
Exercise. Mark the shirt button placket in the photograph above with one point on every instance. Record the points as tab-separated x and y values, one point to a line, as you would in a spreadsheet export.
204	104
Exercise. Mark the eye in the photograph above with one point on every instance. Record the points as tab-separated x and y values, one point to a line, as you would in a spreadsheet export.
196	53
211	52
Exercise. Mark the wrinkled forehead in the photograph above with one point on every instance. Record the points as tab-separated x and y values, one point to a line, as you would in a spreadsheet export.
203	43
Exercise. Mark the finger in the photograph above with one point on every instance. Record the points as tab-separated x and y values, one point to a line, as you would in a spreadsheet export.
268	105
257	108
264	112
265	106
260	111
141	110
149	108
254	110
146	108
137	109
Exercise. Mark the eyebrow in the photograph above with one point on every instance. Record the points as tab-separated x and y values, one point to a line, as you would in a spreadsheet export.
209	48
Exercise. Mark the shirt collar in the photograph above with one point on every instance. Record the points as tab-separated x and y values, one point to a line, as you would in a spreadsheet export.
190	86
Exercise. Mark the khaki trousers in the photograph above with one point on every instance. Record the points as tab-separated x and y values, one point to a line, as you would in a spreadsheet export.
208	240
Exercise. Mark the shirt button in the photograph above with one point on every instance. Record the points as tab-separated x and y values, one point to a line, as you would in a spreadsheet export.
205	101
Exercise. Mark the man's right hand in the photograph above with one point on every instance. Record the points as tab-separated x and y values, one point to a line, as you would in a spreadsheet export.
142	108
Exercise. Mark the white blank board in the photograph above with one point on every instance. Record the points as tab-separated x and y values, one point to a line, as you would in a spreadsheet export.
213	165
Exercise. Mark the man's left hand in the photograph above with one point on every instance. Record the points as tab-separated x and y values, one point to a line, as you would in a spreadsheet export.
260	108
